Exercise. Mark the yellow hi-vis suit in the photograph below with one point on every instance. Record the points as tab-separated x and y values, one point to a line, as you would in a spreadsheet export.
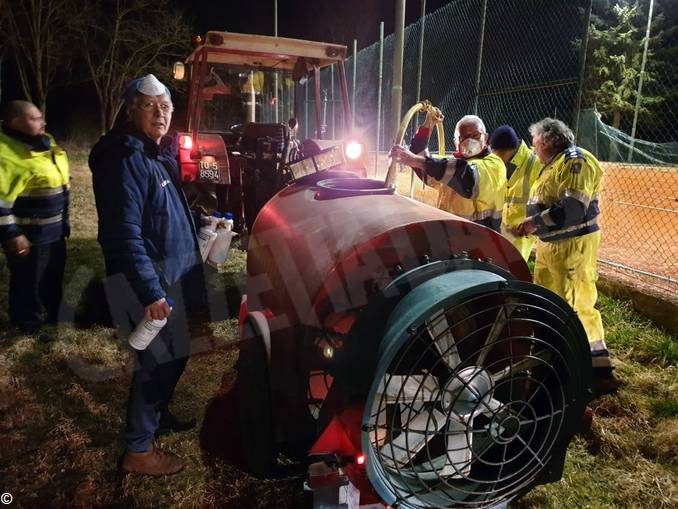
564	206
527	167
471	188
485	204
33	191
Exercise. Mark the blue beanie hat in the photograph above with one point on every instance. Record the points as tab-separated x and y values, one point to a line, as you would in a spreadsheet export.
147	85
504	137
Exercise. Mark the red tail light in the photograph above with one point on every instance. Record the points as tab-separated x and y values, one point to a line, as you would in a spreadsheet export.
185	142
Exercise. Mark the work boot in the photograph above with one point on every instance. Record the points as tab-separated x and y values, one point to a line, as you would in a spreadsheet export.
603	379
151	462
170	422
586	421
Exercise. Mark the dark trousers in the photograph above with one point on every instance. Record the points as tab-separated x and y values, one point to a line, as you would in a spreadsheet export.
156	373
157	369
36	284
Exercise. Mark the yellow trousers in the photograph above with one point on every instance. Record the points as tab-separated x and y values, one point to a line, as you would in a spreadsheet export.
568	268
522	244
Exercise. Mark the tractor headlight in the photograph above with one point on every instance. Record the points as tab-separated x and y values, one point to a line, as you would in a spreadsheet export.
353	150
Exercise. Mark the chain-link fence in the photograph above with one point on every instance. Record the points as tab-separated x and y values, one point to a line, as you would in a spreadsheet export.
629	120
517	61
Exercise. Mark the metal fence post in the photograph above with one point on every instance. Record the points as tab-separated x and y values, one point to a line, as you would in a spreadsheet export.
421	48
640	82
306	109
332	98
275	76
355	66
398	53
419	66
480	57
584	50
381	76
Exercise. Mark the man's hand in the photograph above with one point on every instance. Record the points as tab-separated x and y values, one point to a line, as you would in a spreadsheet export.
403	156
17	246
433	117
524	229
158	310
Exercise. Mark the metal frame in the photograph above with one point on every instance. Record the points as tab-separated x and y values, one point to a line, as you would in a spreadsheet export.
199	60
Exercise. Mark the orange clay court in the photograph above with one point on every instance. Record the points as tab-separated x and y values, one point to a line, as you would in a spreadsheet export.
639	214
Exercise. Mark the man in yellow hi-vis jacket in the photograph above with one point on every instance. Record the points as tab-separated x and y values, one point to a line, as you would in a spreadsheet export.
522	169
563	212
471	183
34	177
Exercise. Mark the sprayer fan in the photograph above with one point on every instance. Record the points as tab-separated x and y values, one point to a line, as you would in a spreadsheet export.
474	395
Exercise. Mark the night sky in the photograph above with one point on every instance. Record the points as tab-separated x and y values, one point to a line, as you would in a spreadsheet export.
338	21
72	110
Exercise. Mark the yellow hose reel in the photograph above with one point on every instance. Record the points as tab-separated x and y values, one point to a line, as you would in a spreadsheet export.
421	107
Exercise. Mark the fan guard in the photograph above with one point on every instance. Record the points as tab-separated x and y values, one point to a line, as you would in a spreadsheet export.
479	387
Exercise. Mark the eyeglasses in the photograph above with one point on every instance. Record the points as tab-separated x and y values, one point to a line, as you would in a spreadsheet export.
476	136
152	106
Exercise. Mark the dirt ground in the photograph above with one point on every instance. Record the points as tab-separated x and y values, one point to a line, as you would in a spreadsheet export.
639	220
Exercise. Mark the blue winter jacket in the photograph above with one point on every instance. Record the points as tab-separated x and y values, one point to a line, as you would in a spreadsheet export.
146	229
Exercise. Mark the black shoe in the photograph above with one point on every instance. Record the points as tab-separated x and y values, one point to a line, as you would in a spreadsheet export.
604	382
603	379
32	327
170	423
44	337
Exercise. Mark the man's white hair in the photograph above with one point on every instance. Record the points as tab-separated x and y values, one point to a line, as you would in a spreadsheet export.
554	134
470	120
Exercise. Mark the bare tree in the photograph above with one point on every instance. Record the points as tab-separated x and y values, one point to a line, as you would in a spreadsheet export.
37	35
123	39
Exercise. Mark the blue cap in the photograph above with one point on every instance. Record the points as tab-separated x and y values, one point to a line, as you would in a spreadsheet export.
217	214
169	301
503	138
228	215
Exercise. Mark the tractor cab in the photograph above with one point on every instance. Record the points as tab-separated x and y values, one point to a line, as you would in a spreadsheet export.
248	95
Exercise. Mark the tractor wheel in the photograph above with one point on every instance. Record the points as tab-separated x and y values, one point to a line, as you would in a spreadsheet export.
253	396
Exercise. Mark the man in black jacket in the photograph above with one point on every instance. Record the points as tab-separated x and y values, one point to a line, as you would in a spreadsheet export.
148	238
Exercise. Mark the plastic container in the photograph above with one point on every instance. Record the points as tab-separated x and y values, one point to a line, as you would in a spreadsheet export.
219	252
228	220
207	235
146	331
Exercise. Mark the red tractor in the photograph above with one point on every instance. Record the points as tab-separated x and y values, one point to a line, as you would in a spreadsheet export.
247	96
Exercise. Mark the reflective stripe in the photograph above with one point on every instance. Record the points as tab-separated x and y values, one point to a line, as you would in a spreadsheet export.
569	193
476	179
7	220
37	221
526	178
580	197
450	170
45	192
6	204
569	229
479	216
546	217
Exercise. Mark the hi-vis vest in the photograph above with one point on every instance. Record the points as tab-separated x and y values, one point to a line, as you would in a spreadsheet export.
573	174
519	185
33	191
487	200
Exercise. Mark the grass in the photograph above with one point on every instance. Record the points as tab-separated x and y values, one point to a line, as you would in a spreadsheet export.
62	408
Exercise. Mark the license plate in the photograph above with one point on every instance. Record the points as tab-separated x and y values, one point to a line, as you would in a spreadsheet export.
209	170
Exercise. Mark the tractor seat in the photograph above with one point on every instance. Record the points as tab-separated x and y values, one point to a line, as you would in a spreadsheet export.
266	142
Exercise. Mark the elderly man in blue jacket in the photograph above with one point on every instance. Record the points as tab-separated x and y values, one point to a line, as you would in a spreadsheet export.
148	238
